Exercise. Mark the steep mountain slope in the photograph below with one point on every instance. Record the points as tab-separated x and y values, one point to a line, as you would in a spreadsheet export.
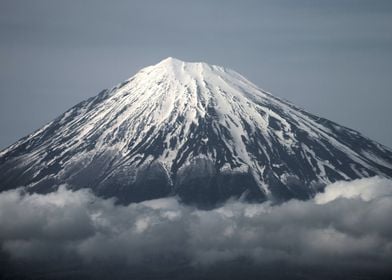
198	131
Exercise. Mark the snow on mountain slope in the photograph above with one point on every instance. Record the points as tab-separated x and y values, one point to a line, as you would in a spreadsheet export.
199	131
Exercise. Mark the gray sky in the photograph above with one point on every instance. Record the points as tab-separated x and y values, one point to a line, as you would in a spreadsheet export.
333	58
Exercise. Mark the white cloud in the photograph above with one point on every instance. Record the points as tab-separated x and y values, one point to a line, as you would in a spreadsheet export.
348	225
366	189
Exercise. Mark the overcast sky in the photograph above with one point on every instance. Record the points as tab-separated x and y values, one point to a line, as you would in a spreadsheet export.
333	58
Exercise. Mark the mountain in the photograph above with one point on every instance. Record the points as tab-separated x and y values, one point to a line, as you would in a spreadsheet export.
198	131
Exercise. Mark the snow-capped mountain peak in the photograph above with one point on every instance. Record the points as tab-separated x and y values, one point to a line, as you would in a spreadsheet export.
176	127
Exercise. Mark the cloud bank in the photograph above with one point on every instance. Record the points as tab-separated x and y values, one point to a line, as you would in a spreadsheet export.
347	227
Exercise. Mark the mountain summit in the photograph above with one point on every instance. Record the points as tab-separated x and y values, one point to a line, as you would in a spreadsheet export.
198	131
